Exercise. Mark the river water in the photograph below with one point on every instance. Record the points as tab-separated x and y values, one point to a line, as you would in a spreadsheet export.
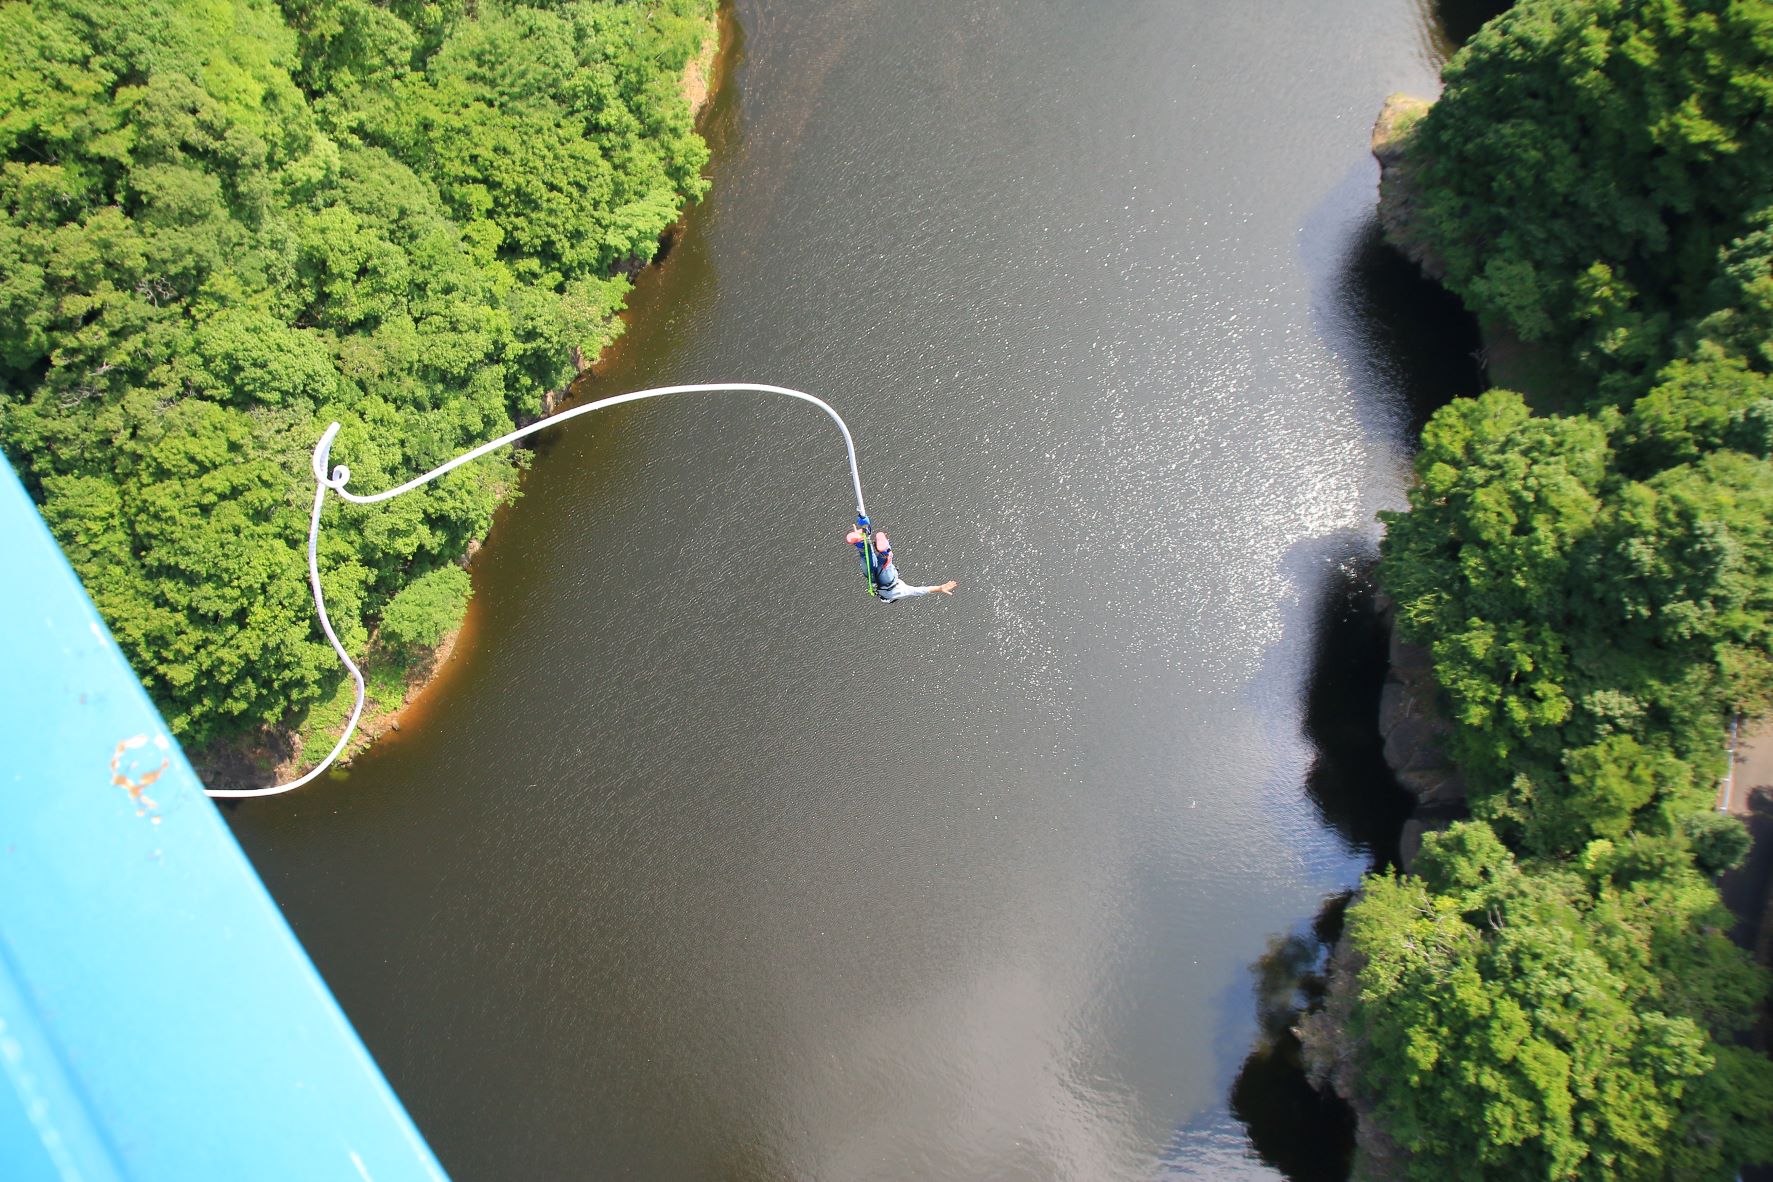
697	863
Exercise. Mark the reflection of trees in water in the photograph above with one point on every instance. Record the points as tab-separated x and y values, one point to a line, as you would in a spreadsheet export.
1350	784
1305	1134
1459	19
1451	23
1412	338
1408	342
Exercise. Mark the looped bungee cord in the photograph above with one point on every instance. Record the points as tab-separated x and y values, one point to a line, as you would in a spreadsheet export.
339	476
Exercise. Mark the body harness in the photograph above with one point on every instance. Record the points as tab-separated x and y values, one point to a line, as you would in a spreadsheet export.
873	568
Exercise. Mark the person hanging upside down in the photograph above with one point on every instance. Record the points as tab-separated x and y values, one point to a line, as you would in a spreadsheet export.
889	586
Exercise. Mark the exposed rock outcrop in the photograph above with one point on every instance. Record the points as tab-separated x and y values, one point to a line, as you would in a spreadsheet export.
1398	201
1414	730
1415	734
1331	1057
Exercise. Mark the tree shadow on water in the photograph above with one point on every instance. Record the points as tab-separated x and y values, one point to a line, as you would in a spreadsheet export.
1350	784
1408	336
1306	1134
1459	20
1410	347
1344	643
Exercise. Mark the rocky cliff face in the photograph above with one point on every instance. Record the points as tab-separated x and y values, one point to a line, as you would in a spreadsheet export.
1410	720
1398	203
1330	1051
1415	731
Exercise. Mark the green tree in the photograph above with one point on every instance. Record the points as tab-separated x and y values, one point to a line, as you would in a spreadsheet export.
1480	568
1588	160
1700	404
426	610
1597	591
1741	297
1589	631
224	225
1516	1023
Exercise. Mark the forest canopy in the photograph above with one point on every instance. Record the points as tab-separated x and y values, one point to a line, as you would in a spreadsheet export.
1588	162
229	223
1556	1021
1597	588
1552	996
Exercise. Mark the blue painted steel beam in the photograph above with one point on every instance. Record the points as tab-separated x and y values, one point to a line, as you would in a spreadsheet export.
158	1018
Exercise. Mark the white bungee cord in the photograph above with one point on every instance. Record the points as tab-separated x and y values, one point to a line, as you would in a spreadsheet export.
337	478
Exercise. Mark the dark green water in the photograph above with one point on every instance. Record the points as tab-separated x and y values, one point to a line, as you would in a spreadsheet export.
698	864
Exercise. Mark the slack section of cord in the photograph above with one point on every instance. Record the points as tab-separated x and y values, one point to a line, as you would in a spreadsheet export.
336	479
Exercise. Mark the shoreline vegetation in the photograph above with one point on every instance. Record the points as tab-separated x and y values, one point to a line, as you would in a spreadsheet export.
1580	597
1535	370
224	225
396	685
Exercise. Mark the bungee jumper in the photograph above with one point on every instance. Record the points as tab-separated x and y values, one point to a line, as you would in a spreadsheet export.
884	582
878	567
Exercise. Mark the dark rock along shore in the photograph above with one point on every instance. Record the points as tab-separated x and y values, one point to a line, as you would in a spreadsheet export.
1410	718
1414	730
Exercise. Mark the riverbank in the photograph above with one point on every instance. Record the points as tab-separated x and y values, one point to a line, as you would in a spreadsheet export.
1410	720
1539	373
397	686
1414	730
1351	1041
